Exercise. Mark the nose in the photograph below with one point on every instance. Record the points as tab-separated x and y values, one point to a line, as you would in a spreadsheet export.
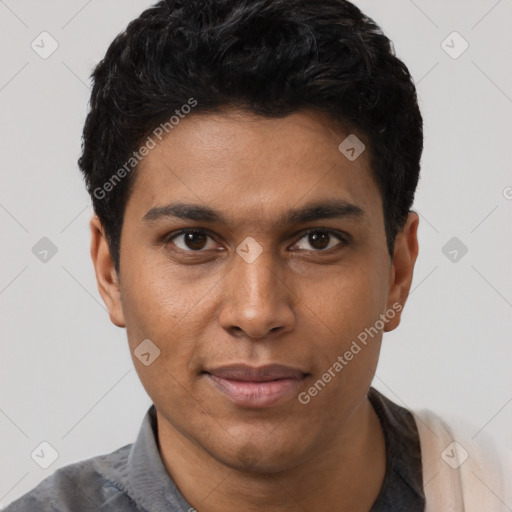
257	302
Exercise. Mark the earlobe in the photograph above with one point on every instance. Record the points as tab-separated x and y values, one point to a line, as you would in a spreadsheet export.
106	275
402	268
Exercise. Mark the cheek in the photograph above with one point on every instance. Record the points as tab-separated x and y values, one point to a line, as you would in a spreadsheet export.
348	301
157	299
157	309
346	308
347	349
168	308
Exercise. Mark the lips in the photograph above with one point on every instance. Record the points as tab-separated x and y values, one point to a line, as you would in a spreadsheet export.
256	387
248	373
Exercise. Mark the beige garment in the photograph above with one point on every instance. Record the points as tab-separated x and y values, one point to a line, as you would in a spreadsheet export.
461	473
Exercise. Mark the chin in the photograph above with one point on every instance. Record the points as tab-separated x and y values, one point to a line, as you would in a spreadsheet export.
261	457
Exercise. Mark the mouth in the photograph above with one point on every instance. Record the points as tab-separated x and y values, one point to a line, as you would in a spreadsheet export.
256	387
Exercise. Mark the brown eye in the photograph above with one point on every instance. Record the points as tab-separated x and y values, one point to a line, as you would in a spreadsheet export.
191	240
195	241
321	240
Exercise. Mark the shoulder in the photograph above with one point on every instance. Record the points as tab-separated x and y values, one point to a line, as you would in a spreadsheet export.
85	486
461	471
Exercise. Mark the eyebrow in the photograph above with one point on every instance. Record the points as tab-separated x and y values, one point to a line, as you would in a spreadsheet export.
327	209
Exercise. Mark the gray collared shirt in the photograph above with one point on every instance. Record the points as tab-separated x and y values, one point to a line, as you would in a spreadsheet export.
134	478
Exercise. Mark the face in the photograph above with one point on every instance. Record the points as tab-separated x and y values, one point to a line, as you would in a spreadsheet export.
253	242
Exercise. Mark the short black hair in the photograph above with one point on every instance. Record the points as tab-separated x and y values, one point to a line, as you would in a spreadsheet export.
267	57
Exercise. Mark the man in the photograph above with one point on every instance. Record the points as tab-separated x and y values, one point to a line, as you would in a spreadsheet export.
252	166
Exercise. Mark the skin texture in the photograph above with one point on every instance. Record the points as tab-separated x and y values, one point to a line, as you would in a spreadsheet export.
295	304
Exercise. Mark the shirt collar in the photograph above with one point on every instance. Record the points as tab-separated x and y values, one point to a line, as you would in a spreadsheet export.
147	481
403	481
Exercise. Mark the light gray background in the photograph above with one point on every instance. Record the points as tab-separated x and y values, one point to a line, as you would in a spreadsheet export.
66	374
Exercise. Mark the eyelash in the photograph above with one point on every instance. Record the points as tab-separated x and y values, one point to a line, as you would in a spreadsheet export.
343	238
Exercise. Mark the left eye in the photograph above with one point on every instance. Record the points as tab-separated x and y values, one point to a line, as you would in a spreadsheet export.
321	240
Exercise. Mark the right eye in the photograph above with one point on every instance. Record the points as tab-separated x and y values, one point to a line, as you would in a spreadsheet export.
189	240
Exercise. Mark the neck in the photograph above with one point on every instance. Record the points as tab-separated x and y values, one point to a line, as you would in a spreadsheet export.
346	474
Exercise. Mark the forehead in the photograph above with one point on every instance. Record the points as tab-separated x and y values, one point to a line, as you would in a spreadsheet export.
253	169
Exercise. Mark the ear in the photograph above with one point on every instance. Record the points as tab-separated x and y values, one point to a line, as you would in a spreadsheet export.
106	275
402	268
